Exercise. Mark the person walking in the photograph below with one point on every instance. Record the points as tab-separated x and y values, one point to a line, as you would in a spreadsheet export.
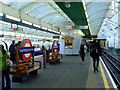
87	44
5	69
95	52
12	51
82	51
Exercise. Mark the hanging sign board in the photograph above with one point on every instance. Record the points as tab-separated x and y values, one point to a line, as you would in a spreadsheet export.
78	27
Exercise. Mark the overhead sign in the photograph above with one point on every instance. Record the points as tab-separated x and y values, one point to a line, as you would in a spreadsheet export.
56	37
91	36
16	29
78	27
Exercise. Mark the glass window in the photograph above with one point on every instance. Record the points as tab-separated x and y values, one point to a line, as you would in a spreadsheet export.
33	6
41	15
8	2
51	19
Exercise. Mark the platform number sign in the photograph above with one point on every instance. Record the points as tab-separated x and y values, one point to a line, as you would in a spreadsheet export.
26	43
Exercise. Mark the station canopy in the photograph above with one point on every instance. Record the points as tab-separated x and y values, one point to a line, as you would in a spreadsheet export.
52	13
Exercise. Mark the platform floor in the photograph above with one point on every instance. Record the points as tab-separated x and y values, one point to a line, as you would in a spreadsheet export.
71	73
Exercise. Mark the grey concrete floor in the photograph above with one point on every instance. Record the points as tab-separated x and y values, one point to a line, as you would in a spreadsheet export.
71	73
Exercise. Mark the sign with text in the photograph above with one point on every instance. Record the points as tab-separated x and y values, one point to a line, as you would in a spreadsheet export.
78	27
24	50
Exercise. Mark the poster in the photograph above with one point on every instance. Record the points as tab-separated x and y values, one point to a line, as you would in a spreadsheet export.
68	43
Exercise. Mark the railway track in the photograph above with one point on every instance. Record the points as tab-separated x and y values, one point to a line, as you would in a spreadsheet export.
113	66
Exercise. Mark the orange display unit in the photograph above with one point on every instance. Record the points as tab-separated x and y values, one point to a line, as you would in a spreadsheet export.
54	57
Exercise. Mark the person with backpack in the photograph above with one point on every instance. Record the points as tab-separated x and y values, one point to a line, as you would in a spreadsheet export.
4	56
95	52
82	51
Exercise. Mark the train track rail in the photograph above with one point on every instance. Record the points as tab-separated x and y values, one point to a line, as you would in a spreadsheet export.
113	66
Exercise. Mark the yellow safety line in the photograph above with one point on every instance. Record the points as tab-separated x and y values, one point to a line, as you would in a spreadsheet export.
104	78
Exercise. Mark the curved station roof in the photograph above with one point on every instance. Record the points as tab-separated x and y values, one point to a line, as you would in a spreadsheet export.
57	17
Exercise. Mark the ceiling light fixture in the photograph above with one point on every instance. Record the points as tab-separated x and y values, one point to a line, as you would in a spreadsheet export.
67	4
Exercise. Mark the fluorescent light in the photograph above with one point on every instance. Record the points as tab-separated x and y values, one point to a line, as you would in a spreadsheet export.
81	33
50	30
44	28
36	25
26	22
13	18
54	31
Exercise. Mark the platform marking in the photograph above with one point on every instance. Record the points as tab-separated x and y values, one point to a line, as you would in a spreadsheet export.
104	77
112	81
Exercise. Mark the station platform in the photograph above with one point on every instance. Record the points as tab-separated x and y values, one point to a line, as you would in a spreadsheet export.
71	73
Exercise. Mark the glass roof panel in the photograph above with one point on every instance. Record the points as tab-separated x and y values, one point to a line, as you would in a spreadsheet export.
48	15
38	10
88	1
90	4
95	22
96	12
40	15
97	4
33	6
97	9
19	5
95	16
96	27
51	19
8	2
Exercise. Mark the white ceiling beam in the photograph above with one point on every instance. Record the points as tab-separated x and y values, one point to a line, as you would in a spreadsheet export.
17	14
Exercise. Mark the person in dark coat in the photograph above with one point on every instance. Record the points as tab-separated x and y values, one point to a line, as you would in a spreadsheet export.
12	50
87	44
95	52
82	51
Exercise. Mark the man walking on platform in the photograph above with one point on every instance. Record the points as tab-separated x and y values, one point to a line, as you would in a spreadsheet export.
82	51
12	51
95	52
